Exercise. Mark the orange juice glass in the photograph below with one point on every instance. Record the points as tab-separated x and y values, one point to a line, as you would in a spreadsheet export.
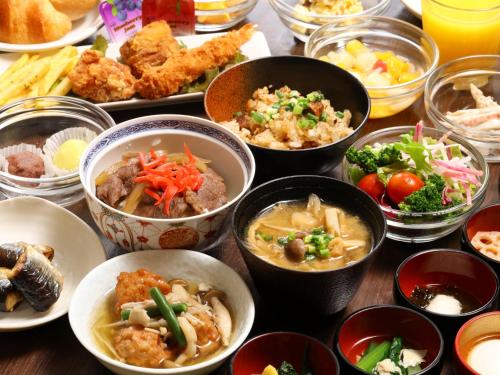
463	27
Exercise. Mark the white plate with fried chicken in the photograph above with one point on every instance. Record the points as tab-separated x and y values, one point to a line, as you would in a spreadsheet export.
152	68
41	25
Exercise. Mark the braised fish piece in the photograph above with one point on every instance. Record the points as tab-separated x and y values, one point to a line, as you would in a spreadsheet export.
10	252
37	279
9	296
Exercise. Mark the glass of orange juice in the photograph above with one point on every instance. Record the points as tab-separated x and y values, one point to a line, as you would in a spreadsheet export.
463	27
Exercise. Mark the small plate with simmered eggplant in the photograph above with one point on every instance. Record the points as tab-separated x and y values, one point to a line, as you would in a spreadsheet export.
45	251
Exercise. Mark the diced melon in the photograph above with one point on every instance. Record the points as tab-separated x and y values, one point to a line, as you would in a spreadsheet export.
365	61
376	79
355	47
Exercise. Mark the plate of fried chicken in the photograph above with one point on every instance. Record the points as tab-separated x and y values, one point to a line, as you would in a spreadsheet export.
155	68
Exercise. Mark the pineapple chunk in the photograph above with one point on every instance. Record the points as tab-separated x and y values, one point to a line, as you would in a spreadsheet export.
355	47
407	77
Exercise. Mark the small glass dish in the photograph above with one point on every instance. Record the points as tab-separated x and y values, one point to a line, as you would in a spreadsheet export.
420	227
32	121
214	16
381	34
302	23
448	90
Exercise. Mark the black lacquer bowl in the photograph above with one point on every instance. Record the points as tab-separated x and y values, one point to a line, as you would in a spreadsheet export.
318	292
229	92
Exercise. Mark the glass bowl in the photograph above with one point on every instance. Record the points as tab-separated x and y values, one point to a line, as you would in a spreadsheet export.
381	33
419	227
220	15
303	23
32	121
448	90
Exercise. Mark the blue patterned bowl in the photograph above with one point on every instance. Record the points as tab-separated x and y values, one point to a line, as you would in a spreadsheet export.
230	157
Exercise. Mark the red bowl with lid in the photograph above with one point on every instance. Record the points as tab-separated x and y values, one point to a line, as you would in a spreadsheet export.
484	220
383	322
275	347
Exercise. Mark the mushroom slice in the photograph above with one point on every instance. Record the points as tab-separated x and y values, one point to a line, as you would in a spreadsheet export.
191	340
138	316
332	221
222	320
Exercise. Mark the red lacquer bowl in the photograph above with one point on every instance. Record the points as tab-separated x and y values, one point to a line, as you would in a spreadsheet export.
479	326
486	219
447	267
383	322
275	347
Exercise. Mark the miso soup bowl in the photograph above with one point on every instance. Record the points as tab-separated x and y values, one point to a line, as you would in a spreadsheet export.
447	267
317	292
189	265
383	322
487	324
486	219
230	157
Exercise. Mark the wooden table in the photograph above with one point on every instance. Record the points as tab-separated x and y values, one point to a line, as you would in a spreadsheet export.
53	349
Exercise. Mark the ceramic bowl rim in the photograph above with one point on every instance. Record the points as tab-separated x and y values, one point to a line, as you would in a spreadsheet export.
483	307
432	365
53	206
298	334
166	117
297	58
467	239
241	243
248	320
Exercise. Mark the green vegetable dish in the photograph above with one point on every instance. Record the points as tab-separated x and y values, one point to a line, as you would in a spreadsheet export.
391	358
415	174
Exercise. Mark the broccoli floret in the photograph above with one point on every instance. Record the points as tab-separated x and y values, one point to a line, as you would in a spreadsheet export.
369	159
426	199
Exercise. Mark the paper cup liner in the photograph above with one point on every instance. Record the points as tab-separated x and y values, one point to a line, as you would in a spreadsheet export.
15	149
53	143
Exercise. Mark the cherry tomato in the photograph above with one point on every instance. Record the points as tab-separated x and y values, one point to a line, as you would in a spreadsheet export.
402	184
372	185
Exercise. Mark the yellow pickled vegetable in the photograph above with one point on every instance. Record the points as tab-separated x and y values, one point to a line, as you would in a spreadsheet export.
407	77
270	370
396	66
68	155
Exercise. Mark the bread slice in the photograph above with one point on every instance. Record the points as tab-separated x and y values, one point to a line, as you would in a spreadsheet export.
31	22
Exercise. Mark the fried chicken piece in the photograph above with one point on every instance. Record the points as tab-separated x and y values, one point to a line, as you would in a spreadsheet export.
151	46
188	65
142	348
135	286
100	79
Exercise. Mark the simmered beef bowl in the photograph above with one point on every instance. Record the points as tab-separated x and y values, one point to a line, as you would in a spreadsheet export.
165	182
161	185
308	240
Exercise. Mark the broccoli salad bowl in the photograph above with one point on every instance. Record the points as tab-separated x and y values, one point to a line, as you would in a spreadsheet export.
427	182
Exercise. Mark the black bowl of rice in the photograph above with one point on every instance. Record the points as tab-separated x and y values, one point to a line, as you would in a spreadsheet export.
298	115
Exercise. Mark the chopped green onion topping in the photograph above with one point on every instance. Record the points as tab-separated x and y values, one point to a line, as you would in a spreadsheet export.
305	123
339	114
323	116
315	96
259	118
312	117
264	236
